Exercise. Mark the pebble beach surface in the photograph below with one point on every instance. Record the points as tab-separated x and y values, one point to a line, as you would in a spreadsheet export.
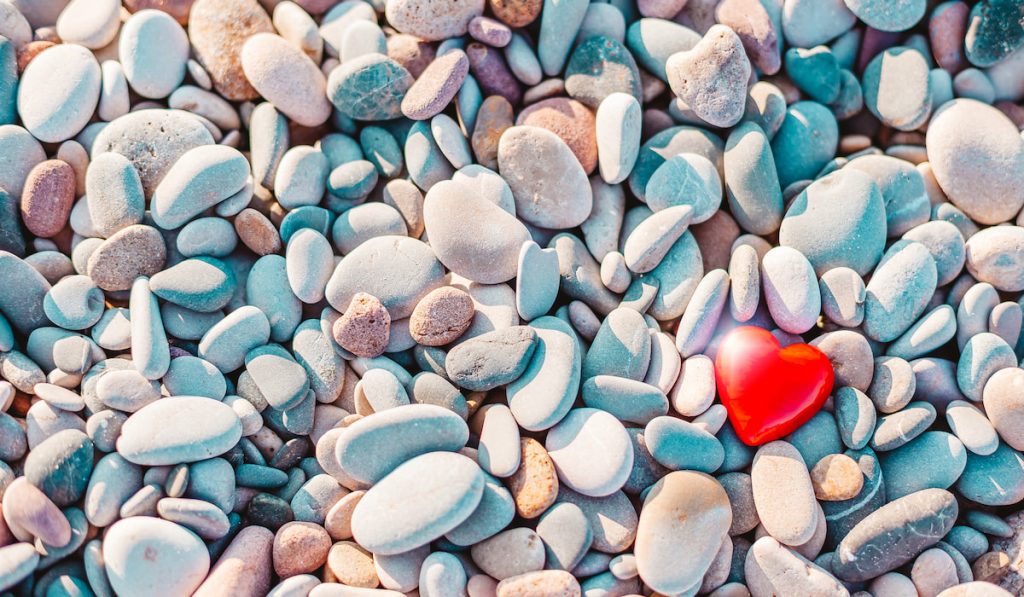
384	298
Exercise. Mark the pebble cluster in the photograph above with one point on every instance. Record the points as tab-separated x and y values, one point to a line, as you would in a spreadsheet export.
422	297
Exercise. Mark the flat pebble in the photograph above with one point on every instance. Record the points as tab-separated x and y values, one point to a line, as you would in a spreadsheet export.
58	92
571	447
169	432
139	551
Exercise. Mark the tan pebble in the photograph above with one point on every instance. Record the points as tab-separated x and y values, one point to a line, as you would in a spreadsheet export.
991	567
573	123
893	584
77	157
494	116
441	316
534	485
47	197
218	29
933	572
176	8
257	232
352	565
516	13
836	477
549	583
411	52
287	78
29	51
134	251
408	200
510	553
481	585
339	518
244	568
300	548
363	329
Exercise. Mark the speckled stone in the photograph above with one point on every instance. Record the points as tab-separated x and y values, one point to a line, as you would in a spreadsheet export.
218	31
441	316
47	197
436	86
363	327
369	87
573	122
711	78
131	252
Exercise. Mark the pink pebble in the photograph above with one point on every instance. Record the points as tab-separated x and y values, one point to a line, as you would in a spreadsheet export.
490	31
27	509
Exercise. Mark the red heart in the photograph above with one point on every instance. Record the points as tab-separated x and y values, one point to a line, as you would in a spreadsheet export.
769	391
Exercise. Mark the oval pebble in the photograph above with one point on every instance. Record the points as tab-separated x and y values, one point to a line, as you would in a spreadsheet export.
169	432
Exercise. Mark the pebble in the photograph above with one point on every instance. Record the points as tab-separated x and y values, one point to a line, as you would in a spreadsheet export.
903	469
1001	397
511	553
558	202
285	76
895	534
572	446
491	359
153	50
826	231
982	356
217	32
790	289
899	290
153	556
800	155
684	510
299	548
244	566
47	197
436	86
445	489
58	92
599	67
771	568
534	485
780	481
991	256
441	316
369	87
993	480
364	327
556	583
489	252
202	428
29	511
199	180
836	477
617	123
711	76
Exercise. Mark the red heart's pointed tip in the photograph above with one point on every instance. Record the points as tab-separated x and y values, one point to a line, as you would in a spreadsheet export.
769	391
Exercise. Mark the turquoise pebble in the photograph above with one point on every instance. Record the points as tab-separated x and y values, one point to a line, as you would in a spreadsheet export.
629	400
21	299
382	150
315	497
307	216
352	180
993	480
806	141
60	466
990	35
686	179
652	41
907	69
599	67
971	543
751	180
817	438
670	142
187	324
622	347
229	340
982	356
559	22
566	534
203	284
679	445
150	351
267	289
815	71
74	303
988	523
933	459
260	477
212	480
193	376
369	87
496	510
855	415
888	16
423	157
211	237
899	290
903	191
899	428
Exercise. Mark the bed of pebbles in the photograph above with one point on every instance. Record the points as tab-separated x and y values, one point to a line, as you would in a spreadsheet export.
422	297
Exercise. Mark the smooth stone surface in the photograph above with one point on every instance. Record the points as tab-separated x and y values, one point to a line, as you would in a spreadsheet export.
977	156
832	233
528	158
170	432
773	569
903	69
153	556
419	501
993	480
895	534
369	87
684	510
200	179
899	290
790	289
153	49
934	459
58	92
783	493
1004	405
993	256
492	359
573	447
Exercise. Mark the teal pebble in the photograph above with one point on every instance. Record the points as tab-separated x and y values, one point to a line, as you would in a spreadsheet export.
599	67
815	71
382	150
369	87
994	480
652	41
193	376
886	15
679	445
229	340
817	438
308	216
988	523
971	543
61	466
267	289
211	237
806	141
187	324
424	159
203	284
902	426
628	400
340	149
934	459
74	303
993	32
495	512
855	415
903	191
670	142
8	82
268	510
212	480
560	21
260	477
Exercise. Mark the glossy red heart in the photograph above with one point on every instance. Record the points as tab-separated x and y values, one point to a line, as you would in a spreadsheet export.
769	391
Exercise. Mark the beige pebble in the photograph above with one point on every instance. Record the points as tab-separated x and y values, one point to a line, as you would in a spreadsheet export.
534	486
933	572
441	316
339	518
352	565
549	583
300	548
836	477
